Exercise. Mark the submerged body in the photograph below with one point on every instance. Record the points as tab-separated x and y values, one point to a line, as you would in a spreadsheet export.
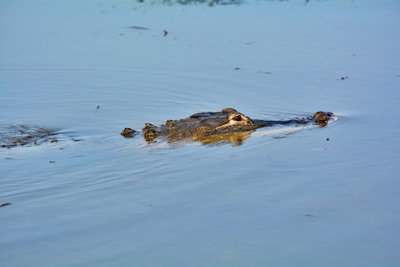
227	124
21	135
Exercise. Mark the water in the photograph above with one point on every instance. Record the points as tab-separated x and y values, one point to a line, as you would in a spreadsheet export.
285	197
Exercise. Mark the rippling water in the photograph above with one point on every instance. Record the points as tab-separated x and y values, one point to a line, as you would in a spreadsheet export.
285	197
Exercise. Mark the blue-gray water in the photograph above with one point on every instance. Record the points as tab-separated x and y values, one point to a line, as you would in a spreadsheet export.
285	197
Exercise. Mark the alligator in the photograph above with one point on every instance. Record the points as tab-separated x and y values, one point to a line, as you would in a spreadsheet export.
205	127
225	125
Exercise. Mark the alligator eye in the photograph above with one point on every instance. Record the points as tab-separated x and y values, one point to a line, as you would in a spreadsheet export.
237	118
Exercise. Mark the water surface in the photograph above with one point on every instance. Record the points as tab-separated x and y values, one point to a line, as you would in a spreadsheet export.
285	197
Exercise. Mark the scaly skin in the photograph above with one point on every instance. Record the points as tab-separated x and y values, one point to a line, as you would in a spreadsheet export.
222	125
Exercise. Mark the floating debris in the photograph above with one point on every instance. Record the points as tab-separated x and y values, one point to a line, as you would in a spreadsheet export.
138	28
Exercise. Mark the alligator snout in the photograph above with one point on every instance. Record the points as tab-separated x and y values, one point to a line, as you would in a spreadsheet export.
321	118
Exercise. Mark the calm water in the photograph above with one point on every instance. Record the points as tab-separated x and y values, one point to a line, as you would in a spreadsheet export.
285	197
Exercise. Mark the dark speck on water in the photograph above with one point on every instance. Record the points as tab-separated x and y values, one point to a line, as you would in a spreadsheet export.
138	28
264	72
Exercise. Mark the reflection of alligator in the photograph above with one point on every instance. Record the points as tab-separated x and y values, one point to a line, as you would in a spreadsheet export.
227	124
